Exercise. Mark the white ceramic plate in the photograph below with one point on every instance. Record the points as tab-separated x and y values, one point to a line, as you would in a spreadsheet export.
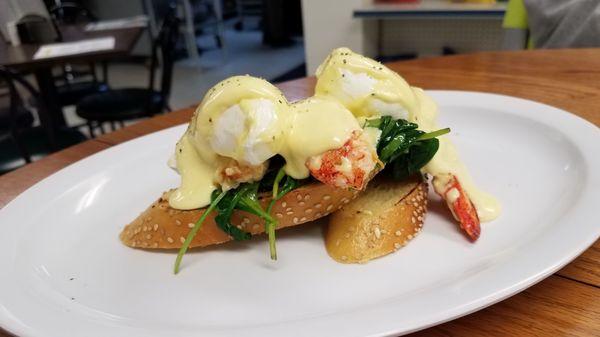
65	273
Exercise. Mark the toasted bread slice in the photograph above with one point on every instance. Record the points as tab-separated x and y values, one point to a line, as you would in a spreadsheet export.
163	227
379	221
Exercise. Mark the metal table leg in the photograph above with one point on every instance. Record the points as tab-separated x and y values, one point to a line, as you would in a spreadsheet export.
51	115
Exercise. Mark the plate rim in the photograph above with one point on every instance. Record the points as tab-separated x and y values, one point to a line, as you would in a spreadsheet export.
480	303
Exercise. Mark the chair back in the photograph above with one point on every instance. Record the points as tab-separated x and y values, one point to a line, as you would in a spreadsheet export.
164	44
14	82
68	13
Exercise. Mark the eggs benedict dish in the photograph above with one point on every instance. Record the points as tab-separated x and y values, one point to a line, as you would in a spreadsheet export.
251	162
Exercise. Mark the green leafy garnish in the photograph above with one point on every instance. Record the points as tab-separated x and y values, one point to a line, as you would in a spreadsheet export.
288	185
401	145
225	209
194	231
245	198
418	156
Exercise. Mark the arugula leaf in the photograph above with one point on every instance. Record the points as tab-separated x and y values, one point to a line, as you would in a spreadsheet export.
403	146
245	198
186	244
249	201
225	209
288	185
418	156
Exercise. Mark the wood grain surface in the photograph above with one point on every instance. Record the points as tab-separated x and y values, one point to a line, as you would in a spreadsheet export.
566	303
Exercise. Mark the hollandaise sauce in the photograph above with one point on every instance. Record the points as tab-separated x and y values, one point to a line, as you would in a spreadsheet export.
369	89
249	120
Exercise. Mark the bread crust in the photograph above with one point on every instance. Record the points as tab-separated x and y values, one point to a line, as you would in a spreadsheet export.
162	227
381	220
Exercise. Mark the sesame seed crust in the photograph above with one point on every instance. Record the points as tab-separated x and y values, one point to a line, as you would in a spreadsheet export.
168	226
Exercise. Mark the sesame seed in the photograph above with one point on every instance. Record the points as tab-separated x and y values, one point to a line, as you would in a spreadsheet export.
133	244
255	227
288	209
317	205
148	236
246	220
330	207
307	197
398	233
155	245
420	218
318	214
284	204
182	239
170	239
326	197
295	220
289	213
344	258
301	203
377	232
345	200
298	197
155	227
191	225
279	215
303	218
149	218
413	220
337	242
397	245
308	210
410	236
177	222
239	226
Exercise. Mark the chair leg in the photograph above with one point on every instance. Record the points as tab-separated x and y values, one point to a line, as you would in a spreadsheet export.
91	129
101	127
121	124
113	127
21	148
105	71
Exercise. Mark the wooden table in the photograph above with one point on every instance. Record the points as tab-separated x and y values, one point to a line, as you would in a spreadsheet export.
21	58
566	303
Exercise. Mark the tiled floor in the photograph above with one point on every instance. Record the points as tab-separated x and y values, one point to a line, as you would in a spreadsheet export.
245	54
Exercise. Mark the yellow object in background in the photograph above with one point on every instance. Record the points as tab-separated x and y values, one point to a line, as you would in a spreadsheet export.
516	18
516	15
476	1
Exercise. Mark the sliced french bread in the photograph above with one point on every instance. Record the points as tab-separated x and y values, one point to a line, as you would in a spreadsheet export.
163	227
381	220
